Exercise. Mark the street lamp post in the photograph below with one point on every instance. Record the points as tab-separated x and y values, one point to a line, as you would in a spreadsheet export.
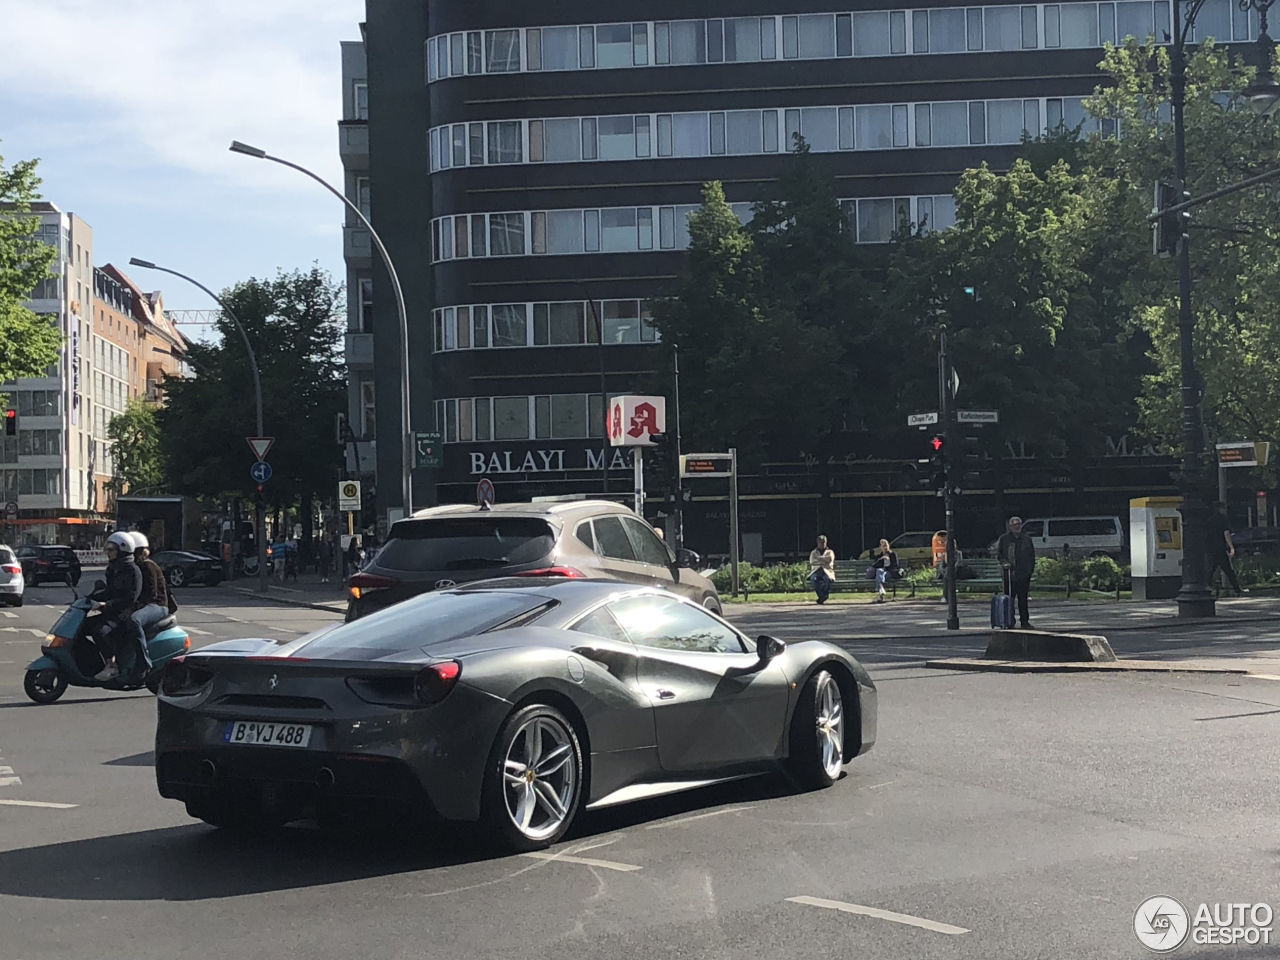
1195	599
407	442
259	520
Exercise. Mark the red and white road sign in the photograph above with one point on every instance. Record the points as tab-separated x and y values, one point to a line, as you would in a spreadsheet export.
260	446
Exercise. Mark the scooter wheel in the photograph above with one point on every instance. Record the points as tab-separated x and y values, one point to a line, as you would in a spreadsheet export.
42	687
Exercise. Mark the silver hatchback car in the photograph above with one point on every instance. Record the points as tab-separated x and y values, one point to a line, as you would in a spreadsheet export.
443	547
12	583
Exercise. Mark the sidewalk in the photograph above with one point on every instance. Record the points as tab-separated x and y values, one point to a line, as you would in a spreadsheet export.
306	591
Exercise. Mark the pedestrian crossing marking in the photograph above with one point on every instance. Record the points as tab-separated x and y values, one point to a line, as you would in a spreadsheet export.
7	777
11	616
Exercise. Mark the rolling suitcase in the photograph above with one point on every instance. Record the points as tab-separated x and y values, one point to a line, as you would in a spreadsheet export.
1002	617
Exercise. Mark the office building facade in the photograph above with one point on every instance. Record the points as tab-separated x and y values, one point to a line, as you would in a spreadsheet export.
531	170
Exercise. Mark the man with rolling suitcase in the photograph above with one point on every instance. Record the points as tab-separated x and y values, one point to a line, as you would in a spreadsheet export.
1017	556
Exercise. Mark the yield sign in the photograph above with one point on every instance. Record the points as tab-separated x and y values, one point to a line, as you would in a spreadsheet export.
260	446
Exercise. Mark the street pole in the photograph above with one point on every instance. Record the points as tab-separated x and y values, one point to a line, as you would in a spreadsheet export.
260	527
637	463
1195	599
406	432
604	397
678	509
733	517
948	490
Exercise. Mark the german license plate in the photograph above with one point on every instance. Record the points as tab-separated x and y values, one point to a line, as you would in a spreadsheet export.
262	733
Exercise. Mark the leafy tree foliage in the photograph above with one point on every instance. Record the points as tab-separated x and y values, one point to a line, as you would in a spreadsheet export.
295	323
28	343
135	450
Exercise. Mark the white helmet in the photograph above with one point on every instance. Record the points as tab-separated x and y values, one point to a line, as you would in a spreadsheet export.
140	541
122	542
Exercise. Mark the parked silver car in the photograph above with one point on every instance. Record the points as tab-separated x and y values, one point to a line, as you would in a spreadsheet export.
442	547
12	583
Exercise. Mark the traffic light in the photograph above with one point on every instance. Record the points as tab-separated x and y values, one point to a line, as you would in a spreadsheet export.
938	462
659	465
11	423
1168	230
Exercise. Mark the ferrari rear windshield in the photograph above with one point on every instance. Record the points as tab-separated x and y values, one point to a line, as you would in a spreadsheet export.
429	619
466	543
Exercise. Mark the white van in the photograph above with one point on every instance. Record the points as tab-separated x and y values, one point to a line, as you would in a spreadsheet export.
1086	536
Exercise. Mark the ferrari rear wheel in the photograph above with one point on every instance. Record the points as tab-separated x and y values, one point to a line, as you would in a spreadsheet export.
817	733
534	780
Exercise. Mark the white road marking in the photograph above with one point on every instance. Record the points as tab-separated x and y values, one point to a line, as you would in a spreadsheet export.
31	630
879	914
585	861
198	632
11	616
38	803
696	816
877	786
210	613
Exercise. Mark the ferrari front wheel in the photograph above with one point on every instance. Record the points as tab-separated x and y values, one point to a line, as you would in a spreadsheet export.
817	733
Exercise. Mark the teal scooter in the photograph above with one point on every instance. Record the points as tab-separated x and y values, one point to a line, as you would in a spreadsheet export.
70	658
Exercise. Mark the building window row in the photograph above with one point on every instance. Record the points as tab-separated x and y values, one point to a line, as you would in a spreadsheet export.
820	36
617	230
37	482
875	126
484	326
37	403
571	416
31	443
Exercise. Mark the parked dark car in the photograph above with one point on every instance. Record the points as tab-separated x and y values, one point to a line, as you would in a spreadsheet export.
442	547
1252	541
183	567
514	702
48	564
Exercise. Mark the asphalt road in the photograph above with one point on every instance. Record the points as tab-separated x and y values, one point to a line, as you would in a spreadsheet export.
999	816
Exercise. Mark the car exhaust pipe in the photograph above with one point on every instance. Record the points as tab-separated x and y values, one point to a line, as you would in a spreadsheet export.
325	779
208	771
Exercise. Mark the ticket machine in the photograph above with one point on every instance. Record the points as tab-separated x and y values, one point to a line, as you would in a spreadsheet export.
1155	547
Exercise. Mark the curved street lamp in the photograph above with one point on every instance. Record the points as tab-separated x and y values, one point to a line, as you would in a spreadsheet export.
260	522
407	437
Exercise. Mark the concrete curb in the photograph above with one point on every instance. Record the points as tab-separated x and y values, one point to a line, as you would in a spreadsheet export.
980	665
331	606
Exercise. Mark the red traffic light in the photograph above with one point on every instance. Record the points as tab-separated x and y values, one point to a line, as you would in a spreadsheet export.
10	414
937	443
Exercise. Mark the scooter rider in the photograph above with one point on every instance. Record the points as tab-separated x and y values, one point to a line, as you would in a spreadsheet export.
115	603
153	602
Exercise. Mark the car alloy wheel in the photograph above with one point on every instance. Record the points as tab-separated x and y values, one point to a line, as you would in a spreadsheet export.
830	725
177	577
540	777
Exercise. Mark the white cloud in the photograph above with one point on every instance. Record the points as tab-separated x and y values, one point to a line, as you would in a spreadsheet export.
169	83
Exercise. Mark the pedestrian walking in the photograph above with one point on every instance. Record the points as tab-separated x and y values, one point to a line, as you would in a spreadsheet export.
326	559
354	554
822	569
886	568
1222	548
1017	556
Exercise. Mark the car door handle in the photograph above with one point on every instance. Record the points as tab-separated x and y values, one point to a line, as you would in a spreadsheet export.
665	694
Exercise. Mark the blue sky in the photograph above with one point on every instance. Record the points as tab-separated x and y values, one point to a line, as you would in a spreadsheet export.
130	106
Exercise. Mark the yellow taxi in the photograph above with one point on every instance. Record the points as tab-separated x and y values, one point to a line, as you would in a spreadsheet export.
914	549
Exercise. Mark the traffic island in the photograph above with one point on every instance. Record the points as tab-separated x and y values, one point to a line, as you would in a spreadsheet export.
1043	646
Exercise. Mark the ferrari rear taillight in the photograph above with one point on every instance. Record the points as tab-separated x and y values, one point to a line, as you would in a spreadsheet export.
435	682
363	583
179	679
570	572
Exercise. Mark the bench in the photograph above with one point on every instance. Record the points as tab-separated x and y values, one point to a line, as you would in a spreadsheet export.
991	575
851	577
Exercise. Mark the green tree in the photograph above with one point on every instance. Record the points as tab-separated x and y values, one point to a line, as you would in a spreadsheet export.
28	343
135	450
295	323
1233	239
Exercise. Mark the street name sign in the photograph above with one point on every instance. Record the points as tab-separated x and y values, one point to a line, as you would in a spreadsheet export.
260	446
978	416
427	451
922	419
706	465
349	496
1244	454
